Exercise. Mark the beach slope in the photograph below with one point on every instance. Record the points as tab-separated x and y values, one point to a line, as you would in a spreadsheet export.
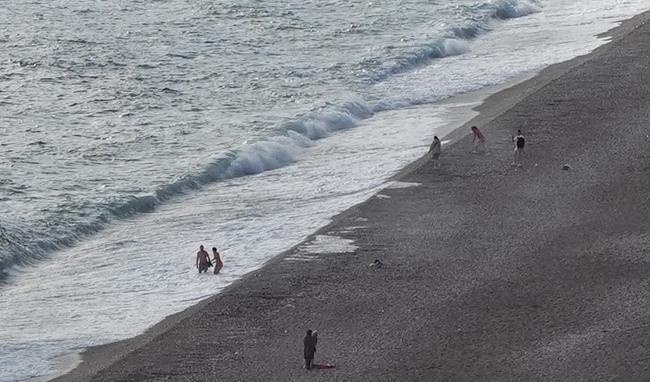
491	272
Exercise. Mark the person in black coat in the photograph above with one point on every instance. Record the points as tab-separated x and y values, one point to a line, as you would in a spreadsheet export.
310	348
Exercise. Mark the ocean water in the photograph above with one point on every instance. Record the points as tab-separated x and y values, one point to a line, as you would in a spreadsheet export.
133	131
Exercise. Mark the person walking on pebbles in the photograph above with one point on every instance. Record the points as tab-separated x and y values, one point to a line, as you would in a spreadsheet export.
309	343
434	150
478	140
520	142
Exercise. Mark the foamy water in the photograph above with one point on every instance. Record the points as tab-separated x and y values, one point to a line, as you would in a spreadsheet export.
147	129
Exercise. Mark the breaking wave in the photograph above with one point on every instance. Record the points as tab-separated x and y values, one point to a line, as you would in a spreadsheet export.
478	20
24	246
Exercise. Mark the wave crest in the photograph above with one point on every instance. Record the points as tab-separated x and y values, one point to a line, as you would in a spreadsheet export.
26	245
478	20
20	248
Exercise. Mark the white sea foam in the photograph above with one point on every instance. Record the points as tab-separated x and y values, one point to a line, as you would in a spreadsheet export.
328	244
402	184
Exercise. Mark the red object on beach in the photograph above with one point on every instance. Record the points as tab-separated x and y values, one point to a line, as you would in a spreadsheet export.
326	366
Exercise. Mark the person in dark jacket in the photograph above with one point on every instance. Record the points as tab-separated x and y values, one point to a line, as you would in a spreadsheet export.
310	348
435	152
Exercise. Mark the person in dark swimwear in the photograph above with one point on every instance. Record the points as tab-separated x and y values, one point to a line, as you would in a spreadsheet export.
520	142
202	260
216	260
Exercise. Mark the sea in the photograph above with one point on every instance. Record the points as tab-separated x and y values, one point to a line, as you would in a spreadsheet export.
131	132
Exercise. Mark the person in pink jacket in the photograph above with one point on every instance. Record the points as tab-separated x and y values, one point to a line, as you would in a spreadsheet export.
478	140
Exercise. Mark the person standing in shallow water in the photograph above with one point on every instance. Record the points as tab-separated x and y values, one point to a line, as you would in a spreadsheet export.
218	264
478	140
435	152
202	260
309	343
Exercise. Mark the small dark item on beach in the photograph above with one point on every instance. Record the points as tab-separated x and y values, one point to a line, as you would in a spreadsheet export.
210	264
377	264
566	167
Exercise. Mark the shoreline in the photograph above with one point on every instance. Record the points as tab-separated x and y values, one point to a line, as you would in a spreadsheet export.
70	362
73	363
99	358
